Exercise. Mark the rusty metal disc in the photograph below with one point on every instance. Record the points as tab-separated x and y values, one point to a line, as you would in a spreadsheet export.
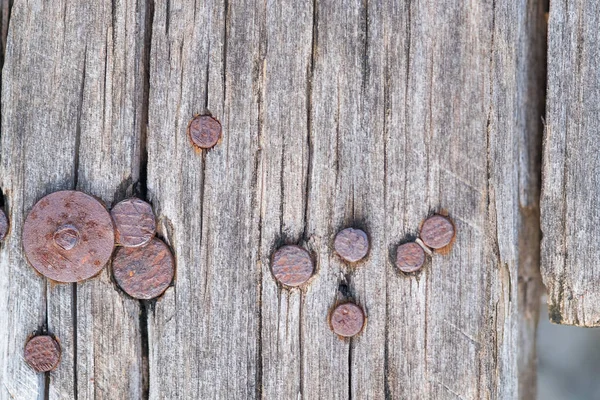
42	353
292	265
410	257
68	236
134	221
144	272
3	225
437	232
351	244
204	131
347	319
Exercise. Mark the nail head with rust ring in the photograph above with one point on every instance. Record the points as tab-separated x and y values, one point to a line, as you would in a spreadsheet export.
42	353
437	232
204	131
292	265
135	224
68	236
351	244
410	257
144	272
347	319
3	225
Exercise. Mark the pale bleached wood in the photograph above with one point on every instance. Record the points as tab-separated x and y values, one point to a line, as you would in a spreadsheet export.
570	202
72	117
204	334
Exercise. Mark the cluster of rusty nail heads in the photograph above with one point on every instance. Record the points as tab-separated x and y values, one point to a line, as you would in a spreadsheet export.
292	265
69	236
436	233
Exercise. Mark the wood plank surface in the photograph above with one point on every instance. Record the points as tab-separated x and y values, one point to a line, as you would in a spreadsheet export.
408	109
570	202
372	114
72	112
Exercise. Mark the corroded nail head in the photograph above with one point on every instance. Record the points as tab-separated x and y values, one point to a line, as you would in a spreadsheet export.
347	319
204	131
135	224
68	236
410	257
144	272
42	353
351	244
437	232
292	265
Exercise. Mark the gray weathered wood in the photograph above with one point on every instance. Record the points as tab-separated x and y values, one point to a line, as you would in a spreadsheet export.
72	112
394	111
371	114
570	202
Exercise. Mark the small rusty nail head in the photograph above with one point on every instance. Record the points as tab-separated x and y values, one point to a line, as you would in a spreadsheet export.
351	244
347	319
292	265
437	232
410	257
3	225
135	224
68	236
42	353
144	272
204	131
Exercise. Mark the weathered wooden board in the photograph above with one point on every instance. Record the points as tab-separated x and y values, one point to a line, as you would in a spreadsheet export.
570	203
73	92
395	110
370	114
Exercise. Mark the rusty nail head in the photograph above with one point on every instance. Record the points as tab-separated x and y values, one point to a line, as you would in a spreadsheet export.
409	257
3	225
134	221
437	232
42	353
351	244
204	131
144	272
347	319
68	236
292	265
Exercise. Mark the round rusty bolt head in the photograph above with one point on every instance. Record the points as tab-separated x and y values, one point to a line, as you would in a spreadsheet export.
3	225
409	257
437	232
134	221
68	236
204	131
292	265
351	244
42	353
144	272
347	319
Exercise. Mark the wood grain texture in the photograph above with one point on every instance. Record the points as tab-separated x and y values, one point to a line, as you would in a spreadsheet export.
570	203
368	114
73	93
372	114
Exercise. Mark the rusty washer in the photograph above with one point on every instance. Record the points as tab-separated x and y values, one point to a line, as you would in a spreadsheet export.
204	131
351	244
347	319
3	225
437	232
134	221
68	236
409	257
292	265
42	353
144	272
